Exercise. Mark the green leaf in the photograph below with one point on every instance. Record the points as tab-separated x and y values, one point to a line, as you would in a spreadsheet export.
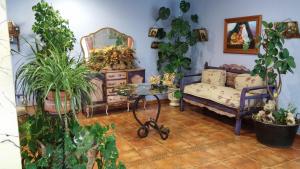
270	25
185	6
164	13
161	33
178	94
269	61
265	24
194	18
286	53
291	62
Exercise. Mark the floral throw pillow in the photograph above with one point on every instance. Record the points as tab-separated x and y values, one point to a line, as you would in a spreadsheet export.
246	80
214	77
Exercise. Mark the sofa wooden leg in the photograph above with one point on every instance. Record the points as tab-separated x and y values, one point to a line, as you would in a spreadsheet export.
181	105
238	124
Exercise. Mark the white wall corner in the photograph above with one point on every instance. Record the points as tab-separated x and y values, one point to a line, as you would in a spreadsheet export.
10	157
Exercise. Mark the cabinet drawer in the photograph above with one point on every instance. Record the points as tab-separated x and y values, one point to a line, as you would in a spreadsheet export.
115	83
116	75
114	99
111	92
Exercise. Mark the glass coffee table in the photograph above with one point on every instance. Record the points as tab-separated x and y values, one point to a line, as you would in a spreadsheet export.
138	92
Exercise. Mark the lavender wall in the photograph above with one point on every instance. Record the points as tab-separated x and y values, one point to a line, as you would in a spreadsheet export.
212	15
132	17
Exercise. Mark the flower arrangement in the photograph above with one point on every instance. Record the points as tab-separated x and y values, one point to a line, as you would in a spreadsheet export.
166	80
112	57
272	116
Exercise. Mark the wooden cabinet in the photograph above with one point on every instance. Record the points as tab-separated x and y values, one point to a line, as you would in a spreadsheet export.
104	98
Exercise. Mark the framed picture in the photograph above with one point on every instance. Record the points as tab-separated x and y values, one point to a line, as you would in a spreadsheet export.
292	30
154	45
202	34
241	34
153	32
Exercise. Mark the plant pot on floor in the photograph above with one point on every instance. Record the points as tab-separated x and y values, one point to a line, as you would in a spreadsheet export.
275	135
173	100
49	103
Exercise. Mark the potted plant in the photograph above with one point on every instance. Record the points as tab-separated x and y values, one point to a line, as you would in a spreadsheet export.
174	46
45	144
173	49
112	57
167	81
58	81
274	126
52	76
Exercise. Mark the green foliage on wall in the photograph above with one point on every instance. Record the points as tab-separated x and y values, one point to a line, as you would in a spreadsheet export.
180	37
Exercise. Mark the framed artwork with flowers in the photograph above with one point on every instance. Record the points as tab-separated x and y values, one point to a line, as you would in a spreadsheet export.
241	34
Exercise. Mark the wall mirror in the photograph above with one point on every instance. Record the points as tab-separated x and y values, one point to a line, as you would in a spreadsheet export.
103	38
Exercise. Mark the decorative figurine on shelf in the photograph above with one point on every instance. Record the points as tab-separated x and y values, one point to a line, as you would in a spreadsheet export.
14	33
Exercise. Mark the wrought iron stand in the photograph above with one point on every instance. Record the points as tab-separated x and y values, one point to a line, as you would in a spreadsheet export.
145	127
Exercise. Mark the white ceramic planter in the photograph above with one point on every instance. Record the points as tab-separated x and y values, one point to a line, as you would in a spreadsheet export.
173	100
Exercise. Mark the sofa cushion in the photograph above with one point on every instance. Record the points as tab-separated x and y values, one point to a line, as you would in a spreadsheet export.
227	96
214	77
246	80
230	79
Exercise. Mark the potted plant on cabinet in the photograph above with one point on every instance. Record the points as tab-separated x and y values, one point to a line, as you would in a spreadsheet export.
274	126
175	44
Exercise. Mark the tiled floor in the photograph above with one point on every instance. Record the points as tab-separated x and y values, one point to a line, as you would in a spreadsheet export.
195	141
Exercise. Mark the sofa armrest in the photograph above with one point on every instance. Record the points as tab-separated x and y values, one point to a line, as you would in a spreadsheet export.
246	90
182	80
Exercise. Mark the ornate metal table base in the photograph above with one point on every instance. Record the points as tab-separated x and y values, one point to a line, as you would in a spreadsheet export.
145	127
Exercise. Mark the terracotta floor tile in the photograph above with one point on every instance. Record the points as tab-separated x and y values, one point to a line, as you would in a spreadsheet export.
221	151
198	158
242	163
215	166
195	141
289	153
170	163
267	158
141	143
130	156
141	165
294	164
153	151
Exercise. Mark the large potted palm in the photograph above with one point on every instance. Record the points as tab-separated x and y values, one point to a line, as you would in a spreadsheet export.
274	126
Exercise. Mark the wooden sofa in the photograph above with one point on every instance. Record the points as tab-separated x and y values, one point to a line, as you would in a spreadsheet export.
246	102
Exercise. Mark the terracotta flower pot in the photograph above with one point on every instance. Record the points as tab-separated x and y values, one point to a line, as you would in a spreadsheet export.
49	103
